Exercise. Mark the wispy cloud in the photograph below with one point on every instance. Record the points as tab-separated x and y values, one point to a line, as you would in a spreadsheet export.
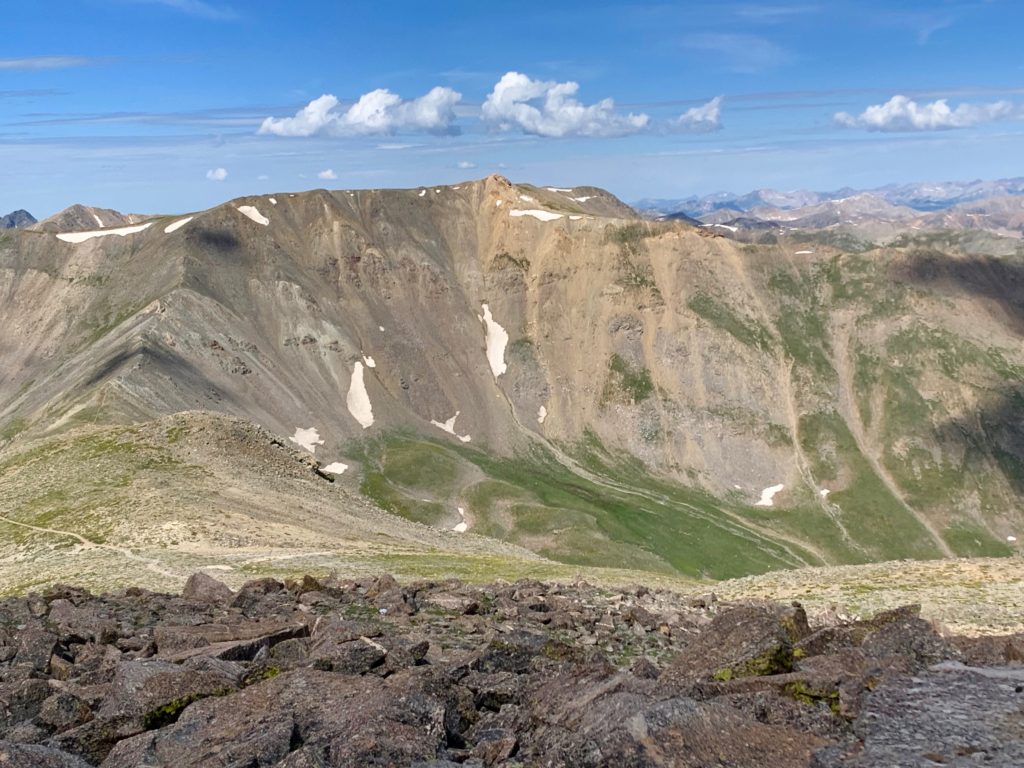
923	24
548	108
377	112
217	174
747	54
703	119
774	14
194	8
48	62
327	175
903	114
465	165
30	93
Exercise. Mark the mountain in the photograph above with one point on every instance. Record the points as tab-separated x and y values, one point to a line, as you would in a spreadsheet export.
79	218
17	220
519	377
920	197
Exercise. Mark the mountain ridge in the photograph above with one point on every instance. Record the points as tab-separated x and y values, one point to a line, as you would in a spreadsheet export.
541	370
923	196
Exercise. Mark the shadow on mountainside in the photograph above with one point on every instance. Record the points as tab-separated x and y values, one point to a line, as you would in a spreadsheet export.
997	427
223	243
1001	281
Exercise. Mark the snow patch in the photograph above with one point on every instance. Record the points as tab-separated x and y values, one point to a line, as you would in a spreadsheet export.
527	198
307	438
380	328
81	237
336	468
824	492
370	363
449	427
726	226
99	221
497	340
177	225
575	218
584	198
767	495
250	212
497	203
422	192
273	201
557	189
1011	539
542	413
463	526
542	215
358	401
804	253
437	191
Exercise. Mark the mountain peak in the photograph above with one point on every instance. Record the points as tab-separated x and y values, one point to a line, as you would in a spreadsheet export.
17	219
79	218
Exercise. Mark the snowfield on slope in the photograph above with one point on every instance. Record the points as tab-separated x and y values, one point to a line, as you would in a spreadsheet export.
496	339
250	212
81	237
542	215
177	225
449	427
767	496
307	438
358	400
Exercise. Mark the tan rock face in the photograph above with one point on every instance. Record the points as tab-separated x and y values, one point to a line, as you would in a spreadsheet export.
888	378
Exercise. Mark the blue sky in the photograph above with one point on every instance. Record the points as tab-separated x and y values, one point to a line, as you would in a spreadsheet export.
175	105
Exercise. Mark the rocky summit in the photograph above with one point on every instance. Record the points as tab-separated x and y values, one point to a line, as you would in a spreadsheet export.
373	672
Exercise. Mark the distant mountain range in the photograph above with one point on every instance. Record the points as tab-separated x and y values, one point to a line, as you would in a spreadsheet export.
17	220
920	197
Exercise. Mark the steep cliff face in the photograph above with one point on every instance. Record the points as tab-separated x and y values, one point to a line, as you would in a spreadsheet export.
538	365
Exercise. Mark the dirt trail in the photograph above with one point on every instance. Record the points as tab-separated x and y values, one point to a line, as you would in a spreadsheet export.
152	565
738	525
803	465
848	409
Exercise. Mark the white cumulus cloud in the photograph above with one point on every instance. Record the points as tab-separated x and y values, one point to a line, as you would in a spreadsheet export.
703	119
327	174
217	174
374	113
548	108
465	164
903	114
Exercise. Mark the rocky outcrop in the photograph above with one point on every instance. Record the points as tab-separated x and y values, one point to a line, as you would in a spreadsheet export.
333	672
17	220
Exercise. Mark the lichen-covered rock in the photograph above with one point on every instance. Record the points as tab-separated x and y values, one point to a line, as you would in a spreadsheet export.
745	641
484	676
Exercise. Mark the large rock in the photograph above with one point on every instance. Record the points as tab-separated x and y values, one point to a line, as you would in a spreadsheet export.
745	641
237	640
952	717
607	720
36	756
203	588
334	719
